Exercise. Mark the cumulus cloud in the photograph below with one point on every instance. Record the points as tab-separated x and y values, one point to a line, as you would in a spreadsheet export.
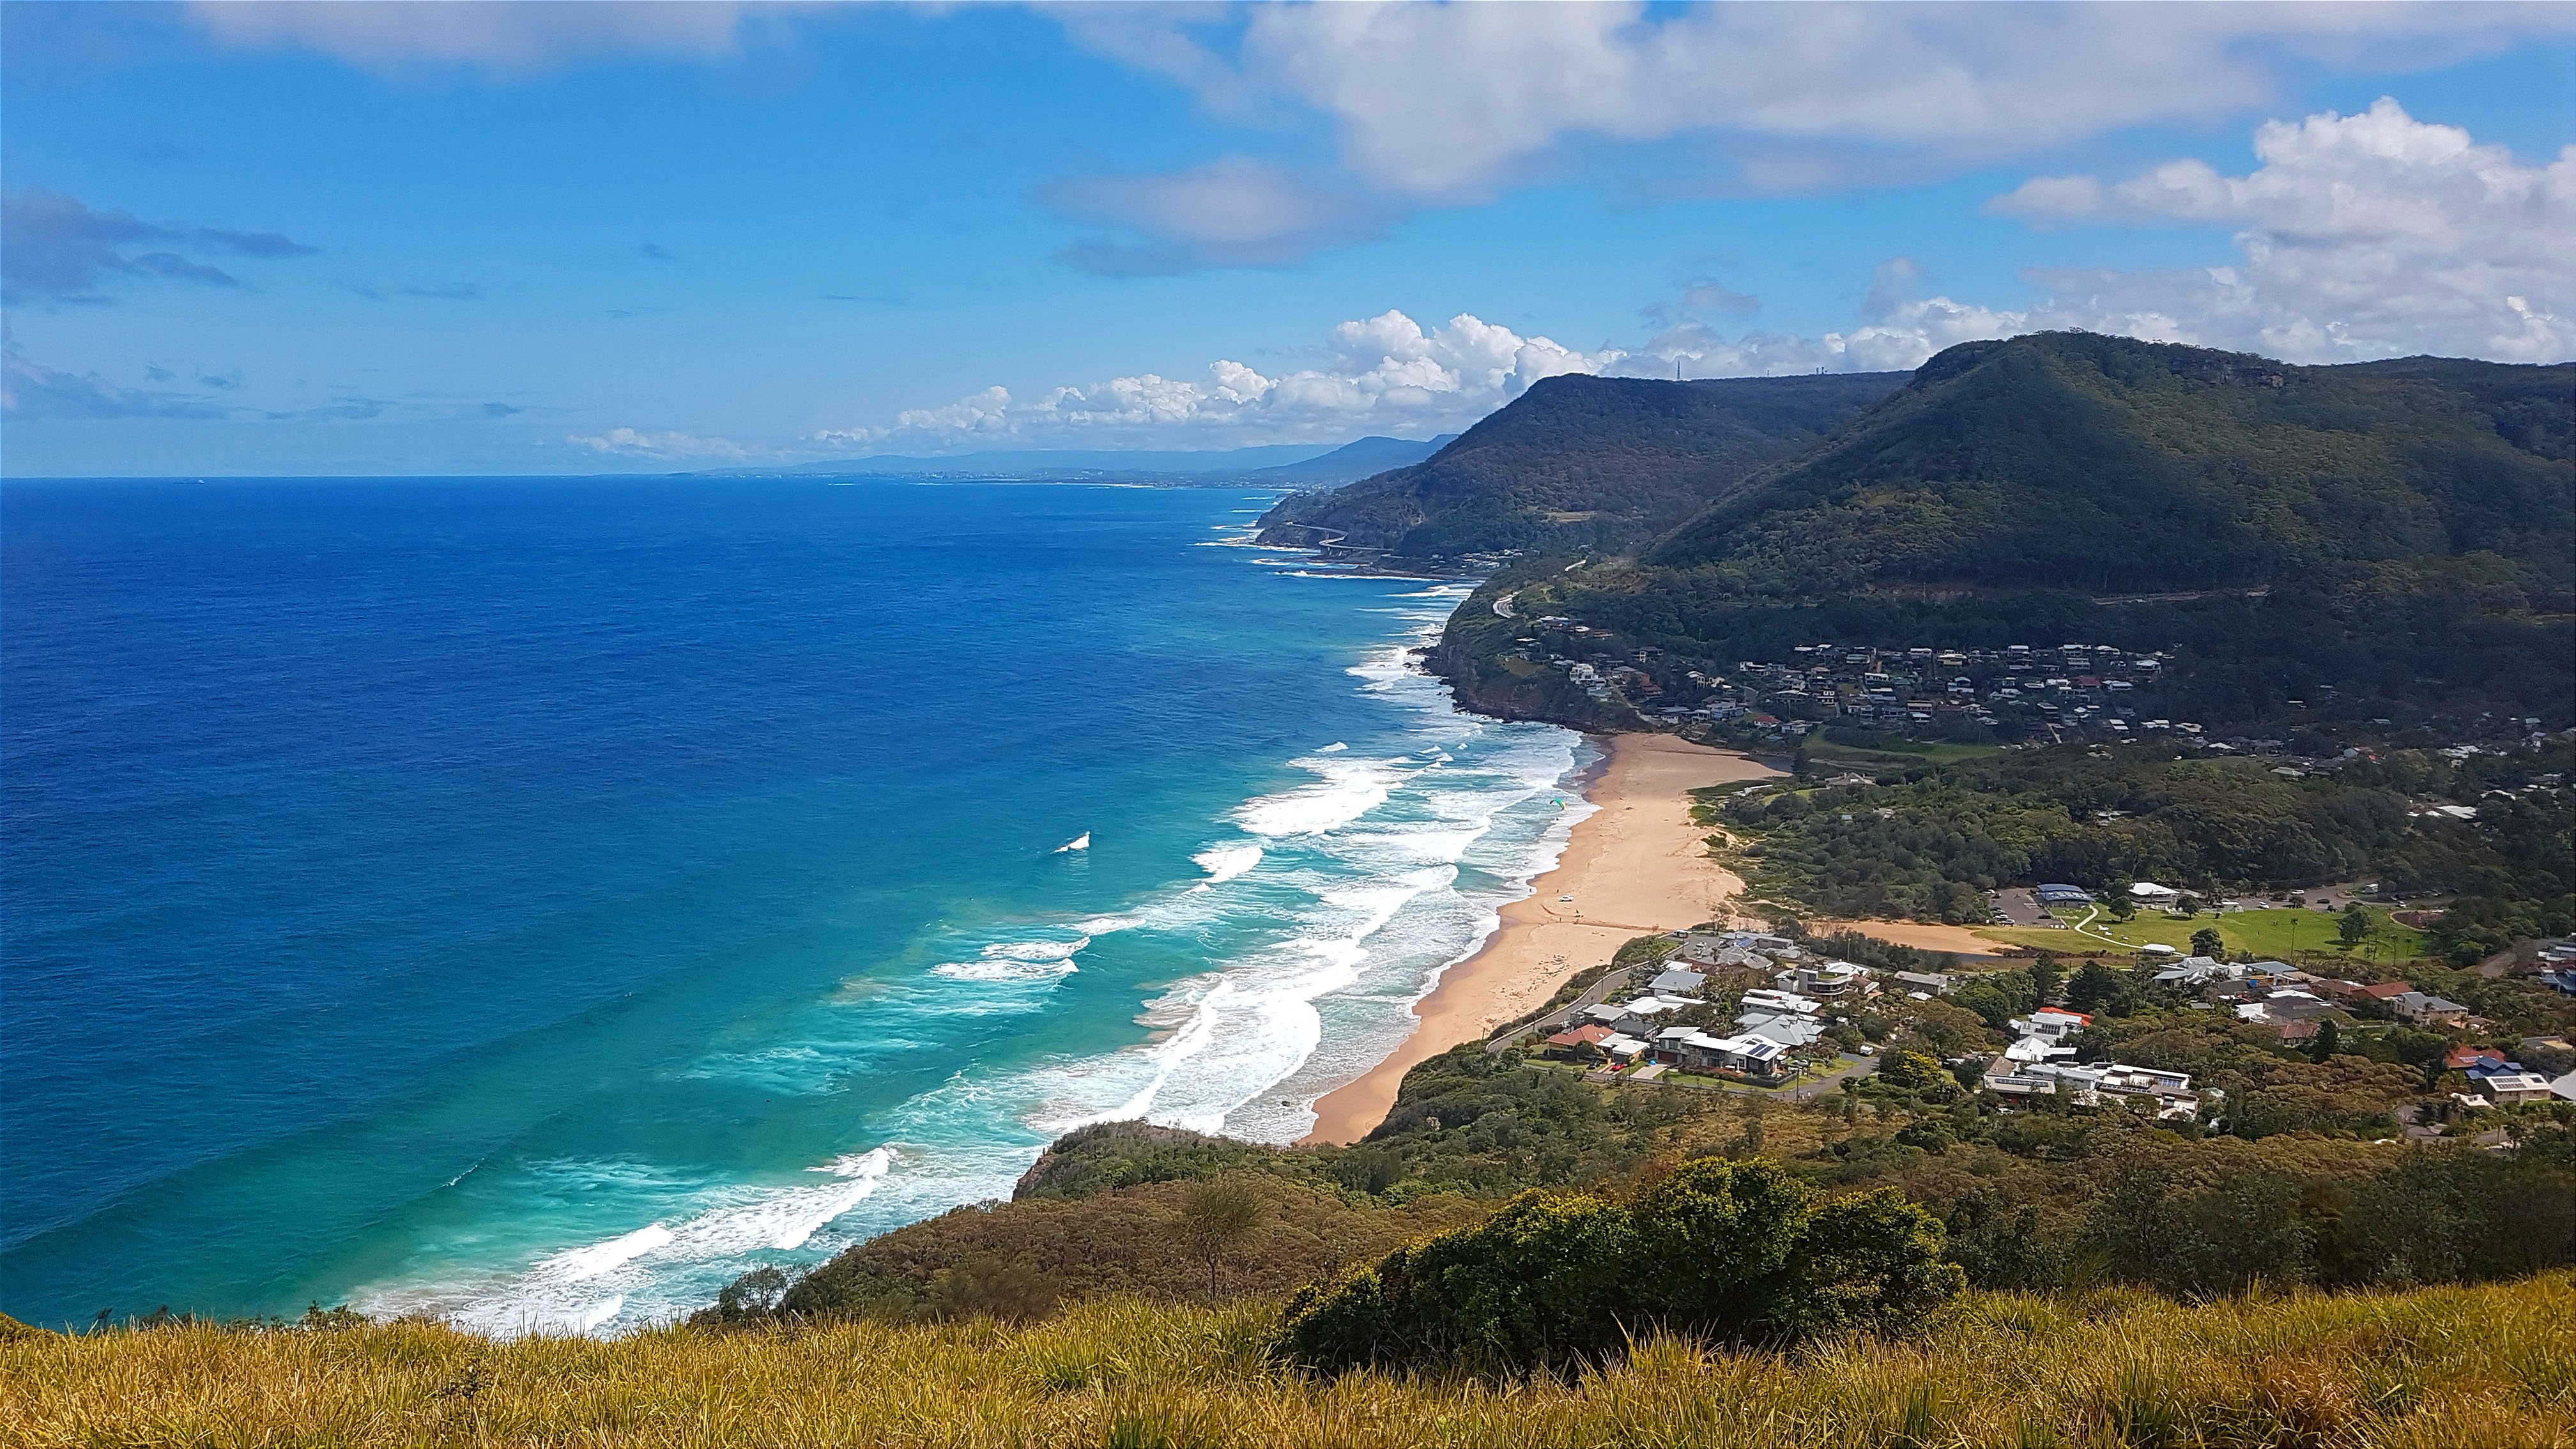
2360	236
671	447
1377	374
507	37
1441	102
55	247
1233	212
1898	331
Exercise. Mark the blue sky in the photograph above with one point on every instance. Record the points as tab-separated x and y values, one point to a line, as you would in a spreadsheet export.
593	237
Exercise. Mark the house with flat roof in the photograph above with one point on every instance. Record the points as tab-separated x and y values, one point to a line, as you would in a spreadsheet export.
2515	1087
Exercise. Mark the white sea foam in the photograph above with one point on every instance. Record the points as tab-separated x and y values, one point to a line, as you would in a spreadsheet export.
1335	748
1005	970
623	1281
1225	862
1349	788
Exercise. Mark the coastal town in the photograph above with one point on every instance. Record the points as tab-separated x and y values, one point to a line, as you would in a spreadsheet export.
1757	1010
2033	693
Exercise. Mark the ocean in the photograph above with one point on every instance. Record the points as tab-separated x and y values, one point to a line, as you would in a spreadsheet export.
537	902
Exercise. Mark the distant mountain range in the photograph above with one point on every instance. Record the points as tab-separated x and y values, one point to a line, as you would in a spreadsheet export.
1283	464
1353	461
2390	539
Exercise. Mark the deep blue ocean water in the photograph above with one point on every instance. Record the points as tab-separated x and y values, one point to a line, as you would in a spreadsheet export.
537	902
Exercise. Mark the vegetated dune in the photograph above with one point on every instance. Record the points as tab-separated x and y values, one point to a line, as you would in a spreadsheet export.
2428	1367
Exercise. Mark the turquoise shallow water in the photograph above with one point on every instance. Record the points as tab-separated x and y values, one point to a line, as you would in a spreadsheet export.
539	902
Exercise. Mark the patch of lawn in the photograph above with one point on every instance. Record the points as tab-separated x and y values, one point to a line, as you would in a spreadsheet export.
2282	934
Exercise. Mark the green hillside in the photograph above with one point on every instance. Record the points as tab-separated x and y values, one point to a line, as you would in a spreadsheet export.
2389	543
2096	463
1580	462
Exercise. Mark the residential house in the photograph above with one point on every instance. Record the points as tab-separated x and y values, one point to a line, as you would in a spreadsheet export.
2425	1010
1641	1017
1765	999
1579	1037
1830	981
2199	970
1677	982
2089	1085
1789	1028
1755	1058
2515	1087
2051	1025
1921	983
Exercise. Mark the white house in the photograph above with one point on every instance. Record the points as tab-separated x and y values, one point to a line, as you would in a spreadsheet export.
1778	1002
2051	1025
2147	890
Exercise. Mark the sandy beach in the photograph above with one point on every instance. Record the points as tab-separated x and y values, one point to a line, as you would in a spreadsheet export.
1636	865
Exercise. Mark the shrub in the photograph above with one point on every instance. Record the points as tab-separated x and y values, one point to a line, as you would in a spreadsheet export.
1736	1252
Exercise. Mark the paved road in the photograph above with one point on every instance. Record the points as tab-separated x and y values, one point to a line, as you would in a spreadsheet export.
1598	992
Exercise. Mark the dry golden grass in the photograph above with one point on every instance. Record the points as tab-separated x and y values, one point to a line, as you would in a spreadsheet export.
2426	1369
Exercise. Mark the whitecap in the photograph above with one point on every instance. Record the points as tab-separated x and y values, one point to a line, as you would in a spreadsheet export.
1348	789
1225	862
1005	970
585	1289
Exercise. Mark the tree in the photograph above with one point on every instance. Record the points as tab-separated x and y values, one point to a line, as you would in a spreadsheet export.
1910	1070
2092	987
755	1294
2188	905
1217	1215
2329	1041
2046	978
2121	907
2207	942
2355	927
1735	1252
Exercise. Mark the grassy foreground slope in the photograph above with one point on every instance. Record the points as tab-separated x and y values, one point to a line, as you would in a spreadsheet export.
2430	1368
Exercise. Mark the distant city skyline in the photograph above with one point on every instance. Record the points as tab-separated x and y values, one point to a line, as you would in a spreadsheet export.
576	238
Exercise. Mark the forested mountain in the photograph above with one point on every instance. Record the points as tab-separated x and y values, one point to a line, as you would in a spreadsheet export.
2068	460
2385	541
1580	462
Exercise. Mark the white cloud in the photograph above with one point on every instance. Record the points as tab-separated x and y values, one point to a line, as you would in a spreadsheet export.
510	37
1900	334
2361	236
1381	374
2364	236
1443	102
673	447
1231	212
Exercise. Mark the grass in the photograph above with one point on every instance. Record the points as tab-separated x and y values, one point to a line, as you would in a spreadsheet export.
2422	1369
2260	933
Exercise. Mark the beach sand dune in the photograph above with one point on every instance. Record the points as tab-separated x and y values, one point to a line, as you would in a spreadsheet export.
1921	935
1637	865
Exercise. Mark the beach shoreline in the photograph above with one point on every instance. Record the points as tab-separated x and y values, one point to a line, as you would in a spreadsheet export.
1635	866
